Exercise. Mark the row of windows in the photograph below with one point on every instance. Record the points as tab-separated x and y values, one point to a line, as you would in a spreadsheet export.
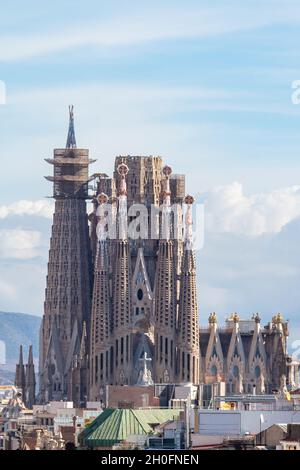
105	362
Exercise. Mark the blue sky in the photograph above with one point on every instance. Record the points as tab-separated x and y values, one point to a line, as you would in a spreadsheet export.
205	84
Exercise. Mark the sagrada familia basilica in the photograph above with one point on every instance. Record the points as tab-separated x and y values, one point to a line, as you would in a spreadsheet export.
122	309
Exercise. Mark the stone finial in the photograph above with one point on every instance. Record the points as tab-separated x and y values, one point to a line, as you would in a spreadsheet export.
277	319
235	318
123	171
167	171
256	317
189	199
212	319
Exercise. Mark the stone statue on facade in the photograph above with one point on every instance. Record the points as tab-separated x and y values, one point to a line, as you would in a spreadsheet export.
145	376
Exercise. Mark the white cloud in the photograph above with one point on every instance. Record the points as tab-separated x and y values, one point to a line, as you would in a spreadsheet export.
7	290
123	93
22	286
19	244
228	209
150	24
38	208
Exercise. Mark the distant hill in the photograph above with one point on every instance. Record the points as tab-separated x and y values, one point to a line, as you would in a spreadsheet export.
6	377
16	329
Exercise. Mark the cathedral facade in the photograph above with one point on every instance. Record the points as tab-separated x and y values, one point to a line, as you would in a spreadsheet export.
144	295
116	303
247	356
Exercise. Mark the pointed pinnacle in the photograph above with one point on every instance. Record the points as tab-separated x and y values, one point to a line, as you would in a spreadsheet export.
30	355
71	139
21	355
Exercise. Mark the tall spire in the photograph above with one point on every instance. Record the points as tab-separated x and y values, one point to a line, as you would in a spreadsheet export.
121	289
21	362
165	292
30	381
167	171
101	323
71	140
30	355
166	212
189	200
122	216
20	372
69	265
188	327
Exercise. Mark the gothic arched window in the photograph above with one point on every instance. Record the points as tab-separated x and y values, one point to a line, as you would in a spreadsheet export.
235	371
140	294
257	372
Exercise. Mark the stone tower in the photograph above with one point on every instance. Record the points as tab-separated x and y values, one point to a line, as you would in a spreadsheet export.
68	287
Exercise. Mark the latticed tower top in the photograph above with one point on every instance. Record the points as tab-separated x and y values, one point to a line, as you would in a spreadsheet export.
71	139
71	167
